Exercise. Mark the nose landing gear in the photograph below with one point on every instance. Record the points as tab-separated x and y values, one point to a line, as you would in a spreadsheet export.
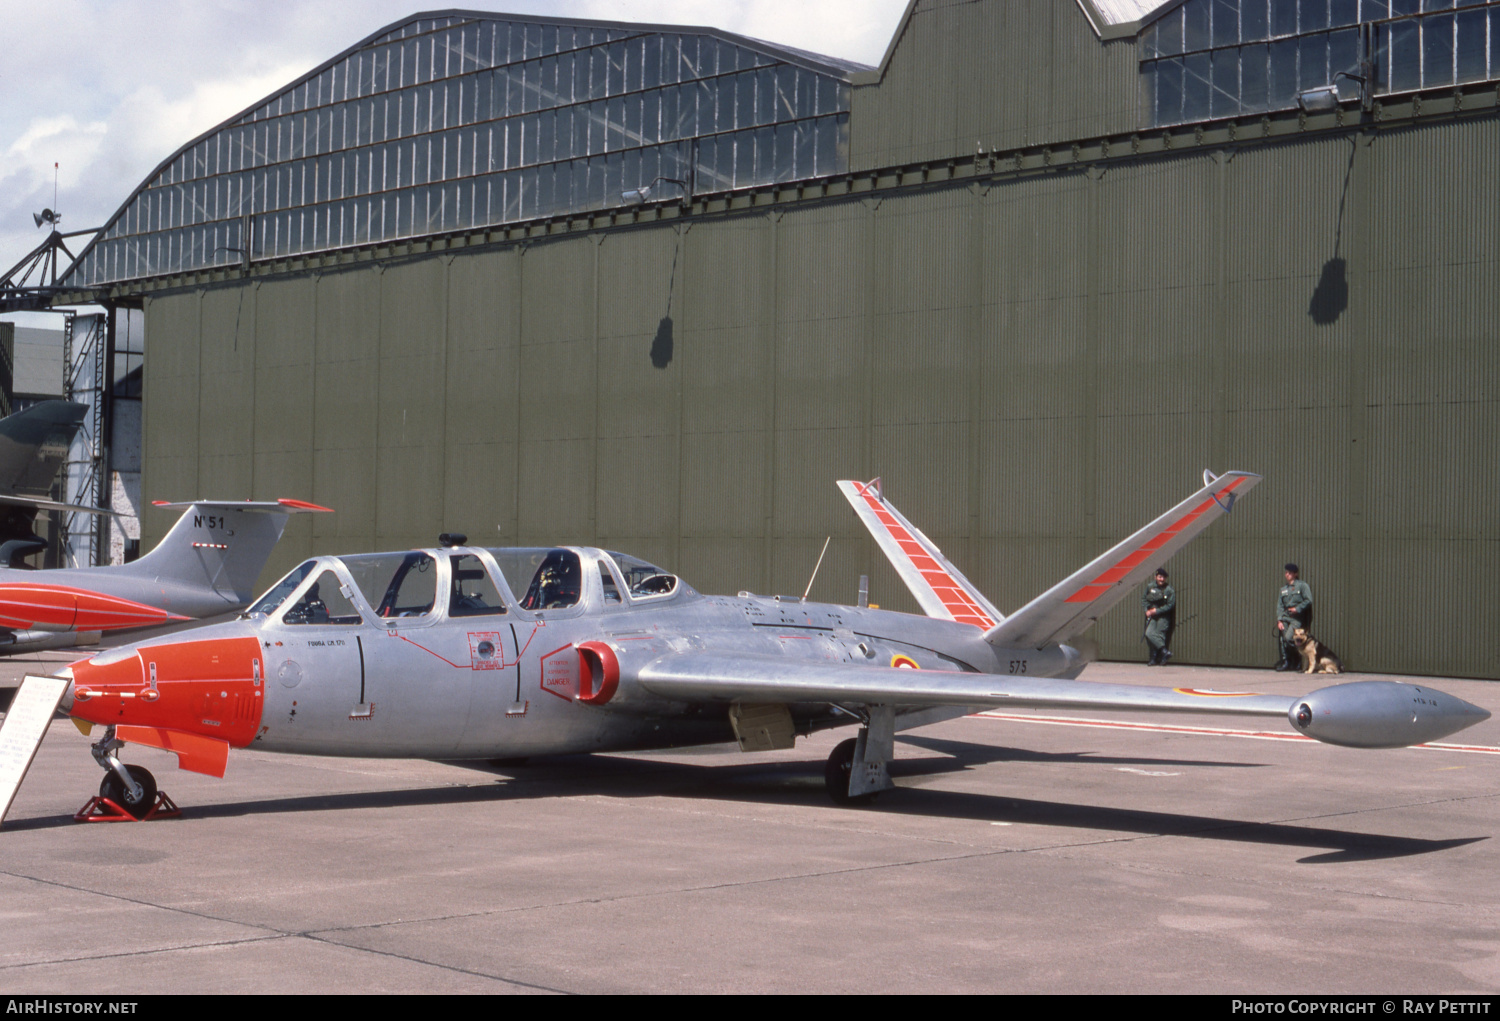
126	792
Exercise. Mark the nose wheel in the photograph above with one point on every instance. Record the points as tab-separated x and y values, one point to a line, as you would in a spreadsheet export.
112	788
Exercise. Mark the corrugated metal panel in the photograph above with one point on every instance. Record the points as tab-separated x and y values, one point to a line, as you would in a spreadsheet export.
413	346
639	405
226	393
1036	369
481	396
558	393
345	418
285	396
169	419
997	73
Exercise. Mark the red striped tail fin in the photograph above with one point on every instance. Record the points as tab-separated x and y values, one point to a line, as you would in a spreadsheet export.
938	586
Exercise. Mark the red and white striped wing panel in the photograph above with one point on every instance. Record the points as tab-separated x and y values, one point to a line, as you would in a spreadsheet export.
1150	549
938	586
1068	608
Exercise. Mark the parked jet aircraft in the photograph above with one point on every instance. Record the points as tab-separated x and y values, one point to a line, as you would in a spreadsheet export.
206	565
461	652
33	444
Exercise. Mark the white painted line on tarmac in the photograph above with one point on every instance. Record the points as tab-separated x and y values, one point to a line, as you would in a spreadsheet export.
1172	728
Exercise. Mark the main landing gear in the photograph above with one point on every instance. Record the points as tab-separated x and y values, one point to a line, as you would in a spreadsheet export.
857	770
126	792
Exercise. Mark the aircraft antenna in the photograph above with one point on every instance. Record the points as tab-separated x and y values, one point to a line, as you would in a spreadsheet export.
815	569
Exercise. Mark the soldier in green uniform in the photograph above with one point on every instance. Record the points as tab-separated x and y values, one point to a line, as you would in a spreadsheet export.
1293	610
1159	601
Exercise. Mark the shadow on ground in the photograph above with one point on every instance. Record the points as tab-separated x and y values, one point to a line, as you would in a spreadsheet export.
800	783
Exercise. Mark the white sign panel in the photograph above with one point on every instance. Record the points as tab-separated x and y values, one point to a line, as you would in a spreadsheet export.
22	731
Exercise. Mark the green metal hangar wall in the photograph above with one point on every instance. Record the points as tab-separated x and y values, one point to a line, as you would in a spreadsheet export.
1037	270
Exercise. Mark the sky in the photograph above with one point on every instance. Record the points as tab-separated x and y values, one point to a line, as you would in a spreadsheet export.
107	89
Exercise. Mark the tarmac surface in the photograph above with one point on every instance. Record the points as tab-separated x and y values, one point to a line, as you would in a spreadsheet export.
1093	853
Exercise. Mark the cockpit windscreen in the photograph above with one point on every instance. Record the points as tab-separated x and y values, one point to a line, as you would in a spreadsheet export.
283	588
643	580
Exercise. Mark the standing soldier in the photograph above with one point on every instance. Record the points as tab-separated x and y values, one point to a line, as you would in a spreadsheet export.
1160	603
1293	610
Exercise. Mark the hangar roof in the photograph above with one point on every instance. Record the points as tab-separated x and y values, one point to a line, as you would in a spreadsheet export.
1118	19
454	120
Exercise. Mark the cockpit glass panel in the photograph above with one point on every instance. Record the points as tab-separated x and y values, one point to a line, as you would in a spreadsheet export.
519	566
643	580
396	584
283	588
557	584
607	580
473	591
324	602
552	579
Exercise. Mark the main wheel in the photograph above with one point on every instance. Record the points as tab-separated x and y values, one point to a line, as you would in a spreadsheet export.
836	773
114	789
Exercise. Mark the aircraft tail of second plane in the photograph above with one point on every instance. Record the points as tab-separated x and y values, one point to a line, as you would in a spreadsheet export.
221	545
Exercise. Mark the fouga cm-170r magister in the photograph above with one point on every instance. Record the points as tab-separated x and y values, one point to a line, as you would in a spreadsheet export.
460	652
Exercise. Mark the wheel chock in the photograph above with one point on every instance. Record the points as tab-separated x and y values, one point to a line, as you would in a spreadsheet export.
104	810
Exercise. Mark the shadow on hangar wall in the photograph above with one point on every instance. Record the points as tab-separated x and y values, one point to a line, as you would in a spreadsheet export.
889	300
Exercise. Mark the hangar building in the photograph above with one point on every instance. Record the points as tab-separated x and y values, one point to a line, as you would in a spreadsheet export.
656	288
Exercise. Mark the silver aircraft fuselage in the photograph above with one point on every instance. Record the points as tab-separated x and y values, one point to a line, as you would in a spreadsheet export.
507	683
461	652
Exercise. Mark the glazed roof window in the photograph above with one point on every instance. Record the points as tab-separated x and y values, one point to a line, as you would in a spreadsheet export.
472	120
1206	59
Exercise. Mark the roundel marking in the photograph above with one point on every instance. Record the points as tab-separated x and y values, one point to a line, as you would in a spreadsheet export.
1210	693
904	663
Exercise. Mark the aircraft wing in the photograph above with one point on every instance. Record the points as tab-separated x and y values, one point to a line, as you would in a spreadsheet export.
55	505
703	677
1071	606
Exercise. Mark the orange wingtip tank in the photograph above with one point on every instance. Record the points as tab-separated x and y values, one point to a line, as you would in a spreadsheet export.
37	605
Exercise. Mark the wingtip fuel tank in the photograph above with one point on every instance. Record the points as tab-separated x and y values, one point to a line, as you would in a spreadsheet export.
1382	714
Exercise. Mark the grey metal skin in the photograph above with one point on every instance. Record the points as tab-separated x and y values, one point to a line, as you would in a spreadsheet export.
1381	714
429	687
206	565
33	444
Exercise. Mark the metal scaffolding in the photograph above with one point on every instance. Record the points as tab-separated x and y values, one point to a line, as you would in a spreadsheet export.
85	537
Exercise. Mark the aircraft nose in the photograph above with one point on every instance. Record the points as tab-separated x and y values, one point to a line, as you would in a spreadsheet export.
213	686
1382	714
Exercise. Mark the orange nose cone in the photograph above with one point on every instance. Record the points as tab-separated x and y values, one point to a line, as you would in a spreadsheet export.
212	687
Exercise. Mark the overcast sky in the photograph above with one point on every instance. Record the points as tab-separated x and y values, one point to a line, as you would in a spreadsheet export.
107	89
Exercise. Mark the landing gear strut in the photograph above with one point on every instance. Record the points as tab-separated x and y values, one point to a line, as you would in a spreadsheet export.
857	770
126	792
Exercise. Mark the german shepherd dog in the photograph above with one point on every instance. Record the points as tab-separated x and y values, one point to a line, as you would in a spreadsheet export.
1317	658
